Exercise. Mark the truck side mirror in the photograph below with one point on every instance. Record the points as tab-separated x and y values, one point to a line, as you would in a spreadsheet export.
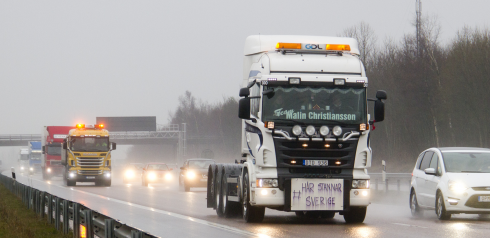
381	94
379	111
244	92
113	145
43	149
65	146
244	108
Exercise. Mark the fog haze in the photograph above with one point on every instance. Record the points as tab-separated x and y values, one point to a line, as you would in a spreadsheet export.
64	62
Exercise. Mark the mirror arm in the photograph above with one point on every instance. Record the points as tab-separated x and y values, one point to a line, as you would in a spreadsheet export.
372	100
251	83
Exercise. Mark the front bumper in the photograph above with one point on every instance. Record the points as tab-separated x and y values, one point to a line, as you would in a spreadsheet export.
467	202
196	182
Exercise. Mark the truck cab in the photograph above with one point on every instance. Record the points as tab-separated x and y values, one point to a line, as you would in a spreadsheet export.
86	155
35	154
305	130
24	160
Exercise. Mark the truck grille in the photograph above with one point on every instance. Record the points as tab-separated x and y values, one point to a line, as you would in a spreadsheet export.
90	172
90	162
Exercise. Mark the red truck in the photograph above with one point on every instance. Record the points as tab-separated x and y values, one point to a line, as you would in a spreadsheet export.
52	141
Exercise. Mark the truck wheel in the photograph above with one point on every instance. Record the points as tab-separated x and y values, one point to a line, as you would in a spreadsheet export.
229	209
441	208
107	183
70	183
250	213
355	215
99	183
414	205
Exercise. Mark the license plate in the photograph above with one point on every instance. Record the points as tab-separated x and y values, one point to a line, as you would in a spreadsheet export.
90	177
317	194
315	162
484	198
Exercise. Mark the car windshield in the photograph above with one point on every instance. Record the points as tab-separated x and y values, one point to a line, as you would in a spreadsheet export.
54	149
467	162
310	104
157	167
200	164
89	144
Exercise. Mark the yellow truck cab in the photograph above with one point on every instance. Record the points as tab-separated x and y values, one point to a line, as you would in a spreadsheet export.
86	155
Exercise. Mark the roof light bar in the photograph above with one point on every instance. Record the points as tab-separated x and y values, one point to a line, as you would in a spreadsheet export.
336	47
80	126
288	46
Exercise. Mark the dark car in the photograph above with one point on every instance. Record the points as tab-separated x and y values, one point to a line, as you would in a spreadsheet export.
194	173
156	173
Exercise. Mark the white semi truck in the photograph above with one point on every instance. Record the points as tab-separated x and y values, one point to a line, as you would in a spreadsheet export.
305	132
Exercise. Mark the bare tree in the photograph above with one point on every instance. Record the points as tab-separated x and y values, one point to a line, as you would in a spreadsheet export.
366	38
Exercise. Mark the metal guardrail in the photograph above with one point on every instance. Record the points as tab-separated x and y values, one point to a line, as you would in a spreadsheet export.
391	178
82	218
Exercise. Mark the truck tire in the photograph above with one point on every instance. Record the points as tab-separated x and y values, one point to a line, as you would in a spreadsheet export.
217	189
70	183
250	213
99	183
229	209
355	215
108	183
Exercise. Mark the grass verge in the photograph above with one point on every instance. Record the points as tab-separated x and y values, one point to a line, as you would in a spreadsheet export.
18	221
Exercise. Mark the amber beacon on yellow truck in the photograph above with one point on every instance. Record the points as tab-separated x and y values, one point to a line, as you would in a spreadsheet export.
86	155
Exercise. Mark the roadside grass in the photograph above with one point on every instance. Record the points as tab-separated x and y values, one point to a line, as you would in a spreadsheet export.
18	221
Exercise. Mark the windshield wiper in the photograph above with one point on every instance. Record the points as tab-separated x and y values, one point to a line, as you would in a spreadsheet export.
289	120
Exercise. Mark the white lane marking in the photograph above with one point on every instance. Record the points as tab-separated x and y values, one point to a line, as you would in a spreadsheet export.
402	224
176	215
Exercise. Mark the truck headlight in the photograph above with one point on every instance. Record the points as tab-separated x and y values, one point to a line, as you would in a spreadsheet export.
129	174
48	170
267	183
297	130
324	130
107	174
337	131
72	174
310	130
360	183
168	176
22	168
152	176
191	175
31	169
457	187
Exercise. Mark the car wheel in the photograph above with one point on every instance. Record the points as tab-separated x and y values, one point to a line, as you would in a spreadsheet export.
441	207
250	213
414	205
355	215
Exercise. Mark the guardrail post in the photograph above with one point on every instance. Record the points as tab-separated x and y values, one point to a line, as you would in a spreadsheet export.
50	209
398	184
66	217
57	214
89	223
76	220
34	200
109	228
43	204
386	185
136	234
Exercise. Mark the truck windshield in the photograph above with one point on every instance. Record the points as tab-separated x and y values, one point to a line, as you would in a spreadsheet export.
315	104
466	162
54	149
24	157
36	156
89	144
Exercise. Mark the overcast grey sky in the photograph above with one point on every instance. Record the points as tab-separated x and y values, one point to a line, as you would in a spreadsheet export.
64	62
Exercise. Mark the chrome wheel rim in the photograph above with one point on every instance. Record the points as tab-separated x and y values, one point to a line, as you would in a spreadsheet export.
439	206
414	204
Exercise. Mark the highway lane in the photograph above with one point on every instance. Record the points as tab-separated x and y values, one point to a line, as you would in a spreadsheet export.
382	220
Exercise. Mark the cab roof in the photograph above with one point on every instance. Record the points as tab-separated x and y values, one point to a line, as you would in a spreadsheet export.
264	43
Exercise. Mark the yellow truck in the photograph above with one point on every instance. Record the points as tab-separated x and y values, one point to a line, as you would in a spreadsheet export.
86	155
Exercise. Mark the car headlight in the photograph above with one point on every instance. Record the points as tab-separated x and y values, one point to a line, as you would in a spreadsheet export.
31	169
324	130
360	183
168	176
457	187
152	176
310	130
267	183
129	174
337	131
191	175
49	170
297	130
